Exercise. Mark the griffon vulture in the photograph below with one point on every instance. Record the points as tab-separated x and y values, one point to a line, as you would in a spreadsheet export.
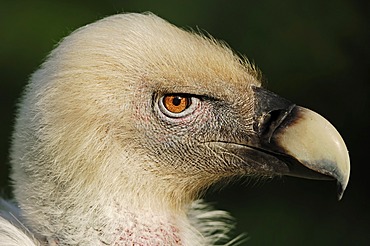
130	118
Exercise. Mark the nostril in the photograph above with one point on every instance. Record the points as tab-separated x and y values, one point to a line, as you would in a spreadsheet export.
270	112
270	121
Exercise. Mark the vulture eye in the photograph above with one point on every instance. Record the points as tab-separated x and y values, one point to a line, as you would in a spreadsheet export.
177	105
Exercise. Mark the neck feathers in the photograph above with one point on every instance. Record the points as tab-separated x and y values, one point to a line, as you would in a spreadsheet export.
199	225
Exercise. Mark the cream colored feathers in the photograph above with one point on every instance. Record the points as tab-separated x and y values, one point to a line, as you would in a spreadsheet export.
78	168
129	120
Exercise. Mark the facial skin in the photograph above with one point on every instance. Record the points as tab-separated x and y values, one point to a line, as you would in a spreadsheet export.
130	119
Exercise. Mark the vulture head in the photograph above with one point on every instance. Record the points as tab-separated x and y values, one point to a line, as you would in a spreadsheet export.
130	119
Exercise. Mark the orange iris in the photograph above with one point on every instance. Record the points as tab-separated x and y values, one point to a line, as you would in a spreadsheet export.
175	103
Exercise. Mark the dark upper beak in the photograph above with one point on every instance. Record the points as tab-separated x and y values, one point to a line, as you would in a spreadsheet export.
303	140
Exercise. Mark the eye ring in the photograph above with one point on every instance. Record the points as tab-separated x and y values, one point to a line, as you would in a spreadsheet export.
177	105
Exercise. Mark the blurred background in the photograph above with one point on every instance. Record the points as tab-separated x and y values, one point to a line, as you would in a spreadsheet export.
315	53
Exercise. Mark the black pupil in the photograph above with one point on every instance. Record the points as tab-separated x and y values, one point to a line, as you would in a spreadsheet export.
176	101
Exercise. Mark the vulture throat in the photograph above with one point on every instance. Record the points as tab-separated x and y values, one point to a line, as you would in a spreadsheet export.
130	119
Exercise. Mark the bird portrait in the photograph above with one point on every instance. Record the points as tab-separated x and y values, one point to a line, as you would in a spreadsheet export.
129	120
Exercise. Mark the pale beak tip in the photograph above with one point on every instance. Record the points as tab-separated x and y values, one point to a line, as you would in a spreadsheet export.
340	191
316	144
342	185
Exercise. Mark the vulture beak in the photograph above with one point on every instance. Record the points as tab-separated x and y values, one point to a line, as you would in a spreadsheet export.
307	144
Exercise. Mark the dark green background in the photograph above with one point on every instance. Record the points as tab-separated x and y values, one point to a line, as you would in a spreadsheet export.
315	53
